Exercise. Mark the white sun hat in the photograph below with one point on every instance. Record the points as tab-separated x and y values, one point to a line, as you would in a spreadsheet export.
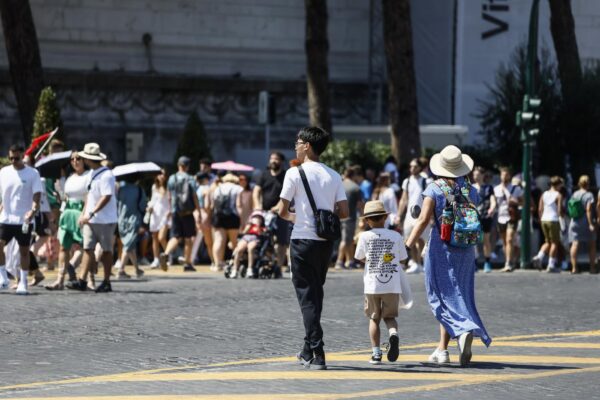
451	163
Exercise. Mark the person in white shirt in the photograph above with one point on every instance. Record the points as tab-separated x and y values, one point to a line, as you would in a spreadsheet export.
310	254
383	251
69	231
505	194
550	210
385	192
20	192
409	209
98	219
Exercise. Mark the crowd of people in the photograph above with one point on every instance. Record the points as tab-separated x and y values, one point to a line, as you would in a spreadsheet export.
88	218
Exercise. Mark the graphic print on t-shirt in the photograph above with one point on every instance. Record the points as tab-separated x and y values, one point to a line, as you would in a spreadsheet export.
381	259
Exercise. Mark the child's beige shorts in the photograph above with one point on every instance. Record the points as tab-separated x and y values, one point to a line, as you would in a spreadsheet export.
382	305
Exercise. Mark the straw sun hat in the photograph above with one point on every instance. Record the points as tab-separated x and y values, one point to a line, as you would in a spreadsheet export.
451	163
91	151
231	178
374	208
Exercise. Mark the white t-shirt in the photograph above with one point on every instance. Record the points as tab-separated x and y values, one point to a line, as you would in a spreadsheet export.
101	184
382	250
17	188
414	186
550	212
326	187
76	186
503	194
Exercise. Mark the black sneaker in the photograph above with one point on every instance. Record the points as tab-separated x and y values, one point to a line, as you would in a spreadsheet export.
375	359
393	350
79	284
104	287
319	360
189	268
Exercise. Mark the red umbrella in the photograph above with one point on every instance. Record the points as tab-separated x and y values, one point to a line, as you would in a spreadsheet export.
232	166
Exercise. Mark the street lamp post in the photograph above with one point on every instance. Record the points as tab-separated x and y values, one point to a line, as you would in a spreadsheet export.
527	119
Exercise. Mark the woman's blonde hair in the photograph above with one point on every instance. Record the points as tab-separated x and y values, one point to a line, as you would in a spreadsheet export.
556	181
584	182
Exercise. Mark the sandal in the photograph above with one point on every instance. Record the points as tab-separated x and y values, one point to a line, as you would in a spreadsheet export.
55	286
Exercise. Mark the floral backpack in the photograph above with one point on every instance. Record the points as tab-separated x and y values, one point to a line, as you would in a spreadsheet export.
461	222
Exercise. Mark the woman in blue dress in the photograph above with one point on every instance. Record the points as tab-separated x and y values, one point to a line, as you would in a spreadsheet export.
131	206
449	270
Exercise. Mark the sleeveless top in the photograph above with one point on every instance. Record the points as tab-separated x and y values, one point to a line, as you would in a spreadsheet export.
550	206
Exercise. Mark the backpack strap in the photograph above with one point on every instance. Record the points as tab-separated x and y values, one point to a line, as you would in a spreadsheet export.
309	194
94	176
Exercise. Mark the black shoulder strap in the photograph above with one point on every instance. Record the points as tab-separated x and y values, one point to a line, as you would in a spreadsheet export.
423	184
307	188
94	176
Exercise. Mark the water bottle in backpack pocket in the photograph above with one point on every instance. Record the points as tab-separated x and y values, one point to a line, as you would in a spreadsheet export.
461	222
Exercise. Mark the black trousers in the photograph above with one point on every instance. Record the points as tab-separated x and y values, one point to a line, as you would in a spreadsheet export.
310	261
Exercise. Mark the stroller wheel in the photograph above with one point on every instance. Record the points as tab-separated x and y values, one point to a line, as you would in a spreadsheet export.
277	272
227	271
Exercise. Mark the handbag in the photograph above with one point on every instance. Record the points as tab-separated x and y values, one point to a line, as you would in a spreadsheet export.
326	222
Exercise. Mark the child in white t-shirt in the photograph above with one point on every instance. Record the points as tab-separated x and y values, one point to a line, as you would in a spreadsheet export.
386	287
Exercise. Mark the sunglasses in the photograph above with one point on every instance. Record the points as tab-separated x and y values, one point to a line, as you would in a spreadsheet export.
76	159
14	158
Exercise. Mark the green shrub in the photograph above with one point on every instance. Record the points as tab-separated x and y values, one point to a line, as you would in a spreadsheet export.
47	116
343	153
193	142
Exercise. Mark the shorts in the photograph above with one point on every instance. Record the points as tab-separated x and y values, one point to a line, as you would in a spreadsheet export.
183	226
248	238
487	224
348	229
551	230
383	305
103	234
283	231
409	225
9	232
42	223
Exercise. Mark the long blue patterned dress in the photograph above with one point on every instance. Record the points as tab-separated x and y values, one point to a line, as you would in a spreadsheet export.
450	277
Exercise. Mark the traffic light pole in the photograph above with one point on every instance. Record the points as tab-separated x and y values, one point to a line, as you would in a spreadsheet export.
525	136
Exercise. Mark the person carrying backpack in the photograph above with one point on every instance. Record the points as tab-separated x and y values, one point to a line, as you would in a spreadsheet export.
450	256
225	216
182	190
583	226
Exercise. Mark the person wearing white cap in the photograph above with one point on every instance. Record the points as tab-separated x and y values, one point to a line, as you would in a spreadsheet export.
99	217
20	194
449	265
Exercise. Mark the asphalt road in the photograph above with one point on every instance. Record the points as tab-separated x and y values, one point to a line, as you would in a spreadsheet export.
187	336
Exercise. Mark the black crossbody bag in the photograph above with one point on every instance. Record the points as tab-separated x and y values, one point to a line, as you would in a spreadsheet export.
327	223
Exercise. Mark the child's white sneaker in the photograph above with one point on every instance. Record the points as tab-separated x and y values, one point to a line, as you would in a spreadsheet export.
440	357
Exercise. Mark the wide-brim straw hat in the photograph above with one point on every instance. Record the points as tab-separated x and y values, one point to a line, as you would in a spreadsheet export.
374	208
231	178
91	151
451	163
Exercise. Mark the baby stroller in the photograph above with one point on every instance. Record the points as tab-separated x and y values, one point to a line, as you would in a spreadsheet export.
265	263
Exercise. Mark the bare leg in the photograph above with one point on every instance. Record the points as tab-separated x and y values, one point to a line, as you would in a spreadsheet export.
251	253
155	245
374	332
219	246
444	339
187	250
574	248
240	248
208	241
107	260
86	263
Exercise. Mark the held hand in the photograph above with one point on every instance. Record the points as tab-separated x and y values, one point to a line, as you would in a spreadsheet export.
29	216
83	220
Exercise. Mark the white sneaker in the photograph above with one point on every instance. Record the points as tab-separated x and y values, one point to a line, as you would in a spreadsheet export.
440	357
22	290
155	263
233	274
117	265
464	348
414	268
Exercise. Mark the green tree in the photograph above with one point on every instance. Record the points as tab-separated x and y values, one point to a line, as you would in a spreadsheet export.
193	142
47	116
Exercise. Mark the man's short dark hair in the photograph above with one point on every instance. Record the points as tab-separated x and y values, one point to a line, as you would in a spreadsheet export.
349	172
358	171
278	154
16	148
206	160
200	176
317	137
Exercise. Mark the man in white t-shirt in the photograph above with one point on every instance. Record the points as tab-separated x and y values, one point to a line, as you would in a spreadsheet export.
310	254
408	212
505	194
20	192
98	219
